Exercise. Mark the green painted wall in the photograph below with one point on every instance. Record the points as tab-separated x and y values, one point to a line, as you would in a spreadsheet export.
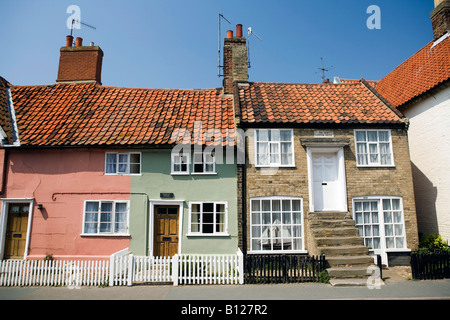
156	178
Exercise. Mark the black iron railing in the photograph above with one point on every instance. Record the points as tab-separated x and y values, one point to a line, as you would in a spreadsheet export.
282	268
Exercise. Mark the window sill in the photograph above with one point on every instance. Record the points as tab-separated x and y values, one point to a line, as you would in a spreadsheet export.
123	174
376	166
398	250
275	166
208	235
278	252
204	173
105	235
180	173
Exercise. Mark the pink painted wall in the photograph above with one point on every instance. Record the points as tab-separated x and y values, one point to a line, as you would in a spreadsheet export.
56	229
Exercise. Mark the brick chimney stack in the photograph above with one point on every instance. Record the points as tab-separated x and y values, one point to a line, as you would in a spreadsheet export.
235	66
440	18
79	64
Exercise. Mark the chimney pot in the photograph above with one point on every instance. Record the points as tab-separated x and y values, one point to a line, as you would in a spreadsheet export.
239	30
80	64
79	42
69	41
230	34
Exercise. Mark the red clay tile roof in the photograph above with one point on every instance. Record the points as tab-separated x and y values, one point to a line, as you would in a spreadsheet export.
373	83
423	71
353	103
95	115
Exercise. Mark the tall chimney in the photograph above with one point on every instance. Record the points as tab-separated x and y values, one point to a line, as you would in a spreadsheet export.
79	64
235	66
440	18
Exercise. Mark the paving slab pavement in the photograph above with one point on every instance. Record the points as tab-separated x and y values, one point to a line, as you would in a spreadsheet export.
396	286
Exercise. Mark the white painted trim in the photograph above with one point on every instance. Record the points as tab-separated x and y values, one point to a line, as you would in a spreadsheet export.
376	165
10	104
107	234
383	250
188	164
203	163
151	220
251	251
442	38
128	164
341	174
274	165
3	223
214	234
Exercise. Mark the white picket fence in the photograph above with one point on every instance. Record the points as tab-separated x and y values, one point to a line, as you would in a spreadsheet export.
120	264
209	269
152	269
124	269
53	273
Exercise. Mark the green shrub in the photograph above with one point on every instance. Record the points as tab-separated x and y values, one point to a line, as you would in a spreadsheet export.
432	243
324	276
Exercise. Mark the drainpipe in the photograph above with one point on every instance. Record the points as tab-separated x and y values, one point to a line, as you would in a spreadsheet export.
244	201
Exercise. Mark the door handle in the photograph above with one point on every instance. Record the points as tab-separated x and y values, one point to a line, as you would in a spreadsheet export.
324	183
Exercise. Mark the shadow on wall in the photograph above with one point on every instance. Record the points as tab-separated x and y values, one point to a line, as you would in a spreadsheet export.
425	194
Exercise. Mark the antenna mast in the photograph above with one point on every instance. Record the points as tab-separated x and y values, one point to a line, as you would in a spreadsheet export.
323	70
84	24
250	33
220	45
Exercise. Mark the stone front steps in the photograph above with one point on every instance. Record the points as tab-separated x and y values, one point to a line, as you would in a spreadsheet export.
336	237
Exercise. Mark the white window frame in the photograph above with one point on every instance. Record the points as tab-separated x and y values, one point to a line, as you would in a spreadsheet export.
128	163
172	161
200	232
204	163
113	233
271	143
377	143
261	224
383	250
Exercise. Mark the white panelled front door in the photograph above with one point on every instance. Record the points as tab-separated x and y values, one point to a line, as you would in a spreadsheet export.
327	181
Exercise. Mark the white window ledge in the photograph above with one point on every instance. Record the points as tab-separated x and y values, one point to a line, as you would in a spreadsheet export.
105	235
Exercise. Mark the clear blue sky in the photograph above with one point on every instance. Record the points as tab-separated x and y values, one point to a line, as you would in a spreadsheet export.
174	43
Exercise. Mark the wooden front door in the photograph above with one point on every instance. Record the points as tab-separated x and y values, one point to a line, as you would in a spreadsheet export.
166	231
16	230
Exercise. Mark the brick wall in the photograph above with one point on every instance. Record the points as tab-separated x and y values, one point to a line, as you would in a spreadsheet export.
80	64
440	18
395	181
234	62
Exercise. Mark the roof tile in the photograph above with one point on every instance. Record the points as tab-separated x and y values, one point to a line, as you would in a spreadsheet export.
91	114
314	103
423	71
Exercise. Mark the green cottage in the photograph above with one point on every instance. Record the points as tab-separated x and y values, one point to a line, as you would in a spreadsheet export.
182	212
184	198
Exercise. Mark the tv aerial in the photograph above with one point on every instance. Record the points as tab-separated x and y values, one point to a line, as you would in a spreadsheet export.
80	22
219	64
250	33
323	69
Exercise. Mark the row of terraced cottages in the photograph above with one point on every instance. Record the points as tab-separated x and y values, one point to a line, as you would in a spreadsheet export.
89	170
